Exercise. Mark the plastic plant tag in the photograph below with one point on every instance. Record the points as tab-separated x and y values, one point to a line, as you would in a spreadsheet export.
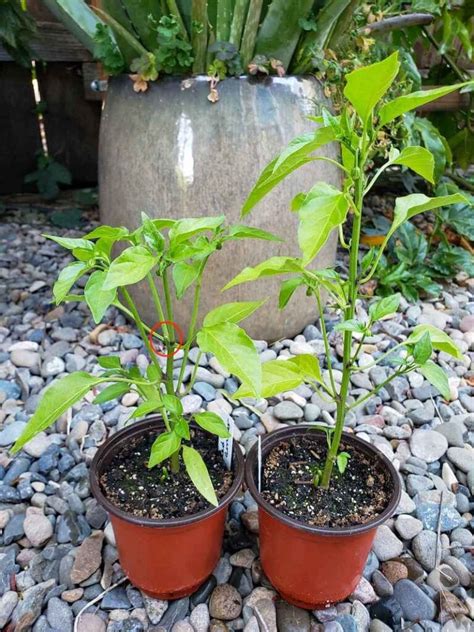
225	445
259	463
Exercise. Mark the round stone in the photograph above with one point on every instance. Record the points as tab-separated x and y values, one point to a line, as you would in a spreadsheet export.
386	544
287	410
408	527
225	603
428	445
38	528
414	602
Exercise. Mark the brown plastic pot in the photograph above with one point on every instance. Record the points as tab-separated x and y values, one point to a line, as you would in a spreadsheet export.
313	567
167	559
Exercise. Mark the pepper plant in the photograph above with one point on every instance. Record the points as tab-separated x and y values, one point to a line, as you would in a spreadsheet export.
326	208
171	257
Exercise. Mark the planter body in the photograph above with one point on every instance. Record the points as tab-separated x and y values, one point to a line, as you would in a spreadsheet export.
167	559
313	567
171	153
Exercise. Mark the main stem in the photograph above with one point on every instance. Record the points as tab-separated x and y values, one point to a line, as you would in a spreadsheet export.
349	314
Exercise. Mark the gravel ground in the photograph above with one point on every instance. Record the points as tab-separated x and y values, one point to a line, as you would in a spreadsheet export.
58	551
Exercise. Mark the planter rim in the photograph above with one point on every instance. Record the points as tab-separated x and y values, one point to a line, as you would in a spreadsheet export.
154	422
201	78
277	436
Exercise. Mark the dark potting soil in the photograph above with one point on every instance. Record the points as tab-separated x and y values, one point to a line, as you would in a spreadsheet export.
361	493
155	493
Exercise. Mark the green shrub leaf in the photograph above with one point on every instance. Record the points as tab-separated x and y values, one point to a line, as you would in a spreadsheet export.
213	424
129	267
235	352
437	377
98	299
278	376
199	475
410	205
184	275
114	391
287	289
439	340
231	312
164	446
183	229
384	307
423	349
391	110
240	231
367	85
66	279
418	159
58	397
323	210
270	267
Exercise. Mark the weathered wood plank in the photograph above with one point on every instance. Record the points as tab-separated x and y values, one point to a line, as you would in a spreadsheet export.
54	43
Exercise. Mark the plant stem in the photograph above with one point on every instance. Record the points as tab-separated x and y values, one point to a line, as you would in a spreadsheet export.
171	336
173	9
349	313
324	333
141	328
192	327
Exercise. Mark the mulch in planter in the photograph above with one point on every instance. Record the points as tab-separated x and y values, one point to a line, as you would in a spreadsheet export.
156	493
353	498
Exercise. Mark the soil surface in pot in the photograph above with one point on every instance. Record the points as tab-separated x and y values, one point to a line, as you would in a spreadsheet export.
156	493
353	498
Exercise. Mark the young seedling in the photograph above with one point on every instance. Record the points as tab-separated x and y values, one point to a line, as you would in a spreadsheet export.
326	208
171	257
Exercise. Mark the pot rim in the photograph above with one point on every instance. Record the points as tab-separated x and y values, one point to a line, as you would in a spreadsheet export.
109	447
272	439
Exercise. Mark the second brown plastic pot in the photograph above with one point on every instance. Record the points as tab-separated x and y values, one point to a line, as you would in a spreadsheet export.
167	559
313	567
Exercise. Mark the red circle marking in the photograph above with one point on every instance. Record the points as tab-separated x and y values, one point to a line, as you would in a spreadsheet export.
178	331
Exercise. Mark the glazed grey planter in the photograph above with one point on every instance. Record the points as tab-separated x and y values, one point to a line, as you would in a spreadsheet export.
172	153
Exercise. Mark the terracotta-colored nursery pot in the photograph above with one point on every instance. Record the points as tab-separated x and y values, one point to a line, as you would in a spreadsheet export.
167	559
313	567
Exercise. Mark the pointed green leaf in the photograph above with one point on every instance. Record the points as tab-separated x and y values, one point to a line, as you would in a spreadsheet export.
391	110
294	156
423	349
384	306
98	299
419	160
287	289
437	377
439	340
270	267
183	229
235	352
131	266
278	376
240	231
367	85
71	244
410	205
109	362
172	404
147	407
184	275
57	398
342	460
164	446
323	210
213	424
110	232
352	324
114	391
231	312
181	427
308	366
66	279
199	475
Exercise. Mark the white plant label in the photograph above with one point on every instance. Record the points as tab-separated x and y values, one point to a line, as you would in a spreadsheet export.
225	445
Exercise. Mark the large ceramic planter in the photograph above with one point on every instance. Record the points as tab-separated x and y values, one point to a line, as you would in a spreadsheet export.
172	153
167	559
314	567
